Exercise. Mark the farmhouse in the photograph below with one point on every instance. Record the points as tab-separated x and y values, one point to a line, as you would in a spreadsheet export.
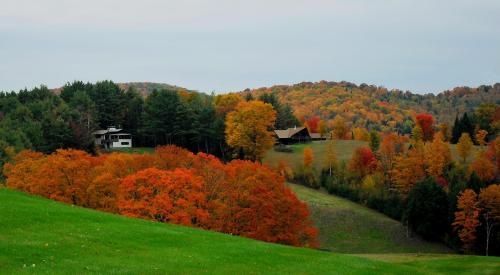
112	138
293	135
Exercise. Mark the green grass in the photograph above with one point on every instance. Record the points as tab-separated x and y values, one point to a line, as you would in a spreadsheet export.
45	237
349	227
343	148
135	150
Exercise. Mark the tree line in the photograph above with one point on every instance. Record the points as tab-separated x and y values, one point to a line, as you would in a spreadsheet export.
44	120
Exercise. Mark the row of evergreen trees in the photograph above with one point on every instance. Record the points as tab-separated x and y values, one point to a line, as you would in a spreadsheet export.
43	120
484	117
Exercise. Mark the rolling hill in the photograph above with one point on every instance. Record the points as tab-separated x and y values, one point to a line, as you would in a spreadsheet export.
46	237
375	107
348	227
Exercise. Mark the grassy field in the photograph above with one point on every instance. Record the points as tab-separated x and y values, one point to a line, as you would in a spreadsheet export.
343	148
348	227
45	237
135	150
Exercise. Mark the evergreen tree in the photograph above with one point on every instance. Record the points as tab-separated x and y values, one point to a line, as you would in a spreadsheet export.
427	210
160	110
475	183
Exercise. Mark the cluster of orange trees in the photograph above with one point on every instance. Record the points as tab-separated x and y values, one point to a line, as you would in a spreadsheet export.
171	185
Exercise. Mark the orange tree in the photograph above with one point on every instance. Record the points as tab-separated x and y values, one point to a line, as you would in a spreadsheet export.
467	218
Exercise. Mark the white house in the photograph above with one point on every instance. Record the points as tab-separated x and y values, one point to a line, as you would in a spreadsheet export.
112	138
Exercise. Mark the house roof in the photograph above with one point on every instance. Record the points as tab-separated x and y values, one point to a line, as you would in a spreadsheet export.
315	135
288	133
109	131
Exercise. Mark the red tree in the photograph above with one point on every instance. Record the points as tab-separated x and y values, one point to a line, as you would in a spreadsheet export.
168	196
363	161
312	124
426	122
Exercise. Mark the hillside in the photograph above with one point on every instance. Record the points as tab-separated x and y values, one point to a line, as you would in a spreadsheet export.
375	107
343	148
41	236
348	227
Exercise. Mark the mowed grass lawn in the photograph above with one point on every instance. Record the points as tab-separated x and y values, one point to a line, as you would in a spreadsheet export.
343	148
349	227
39	236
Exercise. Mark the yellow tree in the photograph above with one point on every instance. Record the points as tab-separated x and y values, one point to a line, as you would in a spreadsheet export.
248	128
322	129
308	157
226	103
467	218
489	201
481	137
437	156
339	127
388	152
409	168
360	134
445	131
464	147
330	156
417	134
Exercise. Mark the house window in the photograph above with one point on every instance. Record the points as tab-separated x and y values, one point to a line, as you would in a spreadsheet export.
125	143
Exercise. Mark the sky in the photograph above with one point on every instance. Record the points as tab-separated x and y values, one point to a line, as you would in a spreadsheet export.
229	45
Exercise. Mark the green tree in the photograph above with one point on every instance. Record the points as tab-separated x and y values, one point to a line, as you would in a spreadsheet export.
160	110
427	210
374	141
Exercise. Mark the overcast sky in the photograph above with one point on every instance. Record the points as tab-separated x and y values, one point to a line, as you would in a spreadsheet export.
227	45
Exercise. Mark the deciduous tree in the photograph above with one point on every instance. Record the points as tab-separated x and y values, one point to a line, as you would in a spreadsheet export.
467	218
248	128
489	200
464	147
426	123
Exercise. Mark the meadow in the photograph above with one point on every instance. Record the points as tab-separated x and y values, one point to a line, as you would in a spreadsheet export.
348	227
344	150
47	237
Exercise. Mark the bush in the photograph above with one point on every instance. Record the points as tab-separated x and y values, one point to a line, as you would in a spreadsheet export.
306	176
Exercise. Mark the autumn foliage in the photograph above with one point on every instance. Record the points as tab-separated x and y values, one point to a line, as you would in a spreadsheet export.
426	122
363	161
467	218
172	185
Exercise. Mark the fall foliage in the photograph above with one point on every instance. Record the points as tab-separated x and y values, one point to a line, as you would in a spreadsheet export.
312	124
437	156
409	168
484	167
171	185
308	157
363	161
248	128
467	218
464	147
426	123
489	200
